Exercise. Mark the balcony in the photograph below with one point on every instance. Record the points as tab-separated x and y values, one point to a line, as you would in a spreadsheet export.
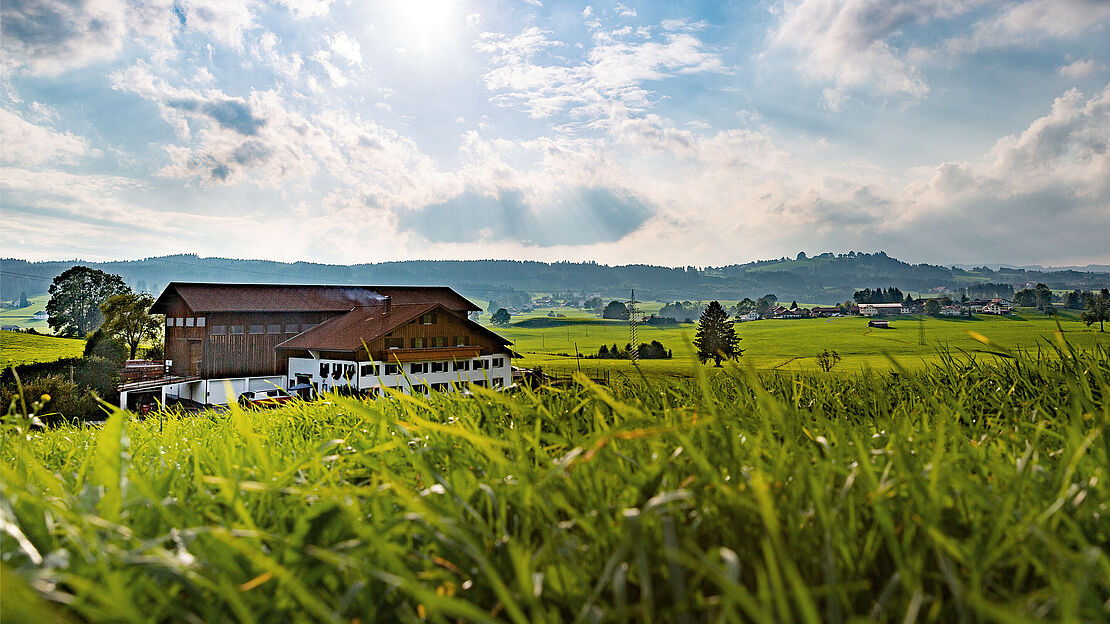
431	353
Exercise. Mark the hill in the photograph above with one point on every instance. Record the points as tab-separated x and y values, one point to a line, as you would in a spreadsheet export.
18	348
826	278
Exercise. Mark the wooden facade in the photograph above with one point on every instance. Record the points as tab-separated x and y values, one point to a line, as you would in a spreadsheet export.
220	344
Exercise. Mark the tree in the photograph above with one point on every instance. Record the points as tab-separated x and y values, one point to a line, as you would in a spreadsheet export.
128	317
1044	298
23	303
75	299
1026	298
716	337
595	304
766	305
501	317
744	306
932	307
1098	310
615	310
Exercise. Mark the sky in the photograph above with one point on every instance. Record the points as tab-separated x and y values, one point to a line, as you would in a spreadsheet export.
671	133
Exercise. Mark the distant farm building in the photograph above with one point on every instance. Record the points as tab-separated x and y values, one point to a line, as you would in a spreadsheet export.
879	309
226	340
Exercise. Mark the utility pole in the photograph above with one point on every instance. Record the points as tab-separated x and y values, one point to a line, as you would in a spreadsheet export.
634	349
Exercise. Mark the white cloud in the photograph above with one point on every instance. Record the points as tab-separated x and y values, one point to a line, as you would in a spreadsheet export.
474	19
306	8
852	43
338	78
25	144
346	47
611	74
1081	69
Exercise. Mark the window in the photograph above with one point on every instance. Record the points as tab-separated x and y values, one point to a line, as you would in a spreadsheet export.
368	370
394	343
258	329
236	330
218	330
461	341
428	319
180	322
439	367
169	321
418	389
307	326
200	321
498	362
439	341
440	387
480	364
292	328
463	365
274	329
418	368
189	322
392	369
324	369
419	342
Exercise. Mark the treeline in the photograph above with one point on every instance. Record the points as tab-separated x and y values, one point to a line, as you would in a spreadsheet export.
826	277
879	295
653	351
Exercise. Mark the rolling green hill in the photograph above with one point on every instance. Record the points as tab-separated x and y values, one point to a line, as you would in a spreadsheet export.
19	348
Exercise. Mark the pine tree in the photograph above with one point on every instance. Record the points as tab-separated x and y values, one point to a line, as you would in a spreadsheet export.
716	338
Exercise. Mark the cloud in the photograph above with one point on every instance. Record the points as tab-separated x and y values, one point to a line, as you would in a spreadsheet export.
854	44
24	143
306	8
612	72
50	36
1081	69
579	216
231	114
346	47
1042	18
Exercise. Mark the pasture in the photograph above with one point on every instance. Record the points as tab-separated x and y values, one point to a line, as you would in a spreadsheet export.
734	496
24	317
18	348
793	344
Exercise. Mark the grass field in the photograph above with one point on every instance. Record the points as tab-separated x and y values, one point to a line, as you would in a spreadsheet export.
972	491
18	348
24	317
792	343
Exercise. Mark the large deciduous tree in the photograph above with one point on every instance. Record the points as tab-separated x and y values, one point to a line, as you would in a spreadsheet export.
615	310
128	317
1098	310
75	299
501	317
716	338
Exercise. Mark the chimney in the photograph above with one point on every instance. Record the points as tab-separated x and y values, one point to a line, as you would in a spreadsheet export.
388	304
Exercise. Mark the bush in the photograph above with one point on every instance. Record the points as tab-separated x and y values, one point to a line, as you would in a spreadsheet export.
67	401
157	352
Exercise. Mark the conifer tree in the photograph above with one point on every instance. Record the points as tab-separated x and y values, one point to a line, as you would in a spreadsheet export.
716	338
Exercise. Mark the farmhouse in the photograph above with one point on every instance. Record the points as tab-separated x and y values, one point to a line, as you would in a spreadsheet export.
223	340
878	309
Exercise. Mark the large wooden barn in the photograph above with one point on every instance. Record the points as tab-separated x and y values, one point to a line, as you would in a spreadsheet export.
223	340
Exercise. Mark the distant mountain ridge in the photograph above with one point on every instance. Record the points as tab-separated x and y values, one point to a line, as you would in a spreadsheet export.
825	278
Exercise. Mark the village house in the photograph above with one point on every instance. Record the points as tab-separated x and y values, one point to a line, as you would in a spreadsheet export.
879	309
224	340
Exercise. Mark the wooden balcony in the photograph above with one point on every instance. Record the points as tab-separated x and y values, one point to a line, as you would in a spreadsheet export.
143	370
432	353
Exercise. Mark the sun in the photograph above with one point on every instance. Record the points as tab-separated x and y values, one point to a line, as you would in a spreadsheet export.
424	26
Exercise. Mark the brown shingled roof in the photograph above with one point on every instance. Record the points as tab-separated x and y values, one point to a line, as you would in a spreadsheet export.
208	297
349	332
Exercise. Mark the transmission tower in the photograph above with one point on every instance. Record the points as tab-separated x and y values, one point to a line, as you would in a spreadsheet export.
634	349
921	330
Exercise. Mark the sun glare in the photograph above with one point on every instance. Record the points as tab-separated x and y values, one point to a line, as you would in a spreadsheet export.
424	26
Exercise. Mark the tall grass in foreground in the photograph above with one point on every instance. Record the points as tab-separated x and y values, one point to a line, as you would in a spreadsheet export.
975	490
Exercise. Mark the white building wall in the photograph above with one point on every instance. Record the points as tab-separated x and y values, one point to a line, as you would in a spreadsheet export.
481	369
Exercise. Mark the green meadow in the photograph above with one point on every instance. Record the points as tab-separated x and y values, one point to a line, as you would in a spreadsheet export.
18	348
793	344
24	317
970	490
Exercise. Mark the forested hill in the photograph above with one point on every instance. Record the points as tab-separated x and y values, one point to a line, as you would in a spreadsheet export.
827	278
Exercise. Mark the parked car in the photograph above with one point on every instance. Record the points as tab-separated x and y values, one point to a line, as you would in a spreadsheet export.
268	398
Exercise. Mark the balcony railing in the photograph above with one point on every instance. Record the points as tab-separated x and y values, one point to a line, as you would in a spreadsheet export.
143	370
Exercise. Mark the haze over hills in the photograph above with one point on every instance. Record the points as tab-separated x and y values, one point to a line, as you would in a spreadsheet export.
826	278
